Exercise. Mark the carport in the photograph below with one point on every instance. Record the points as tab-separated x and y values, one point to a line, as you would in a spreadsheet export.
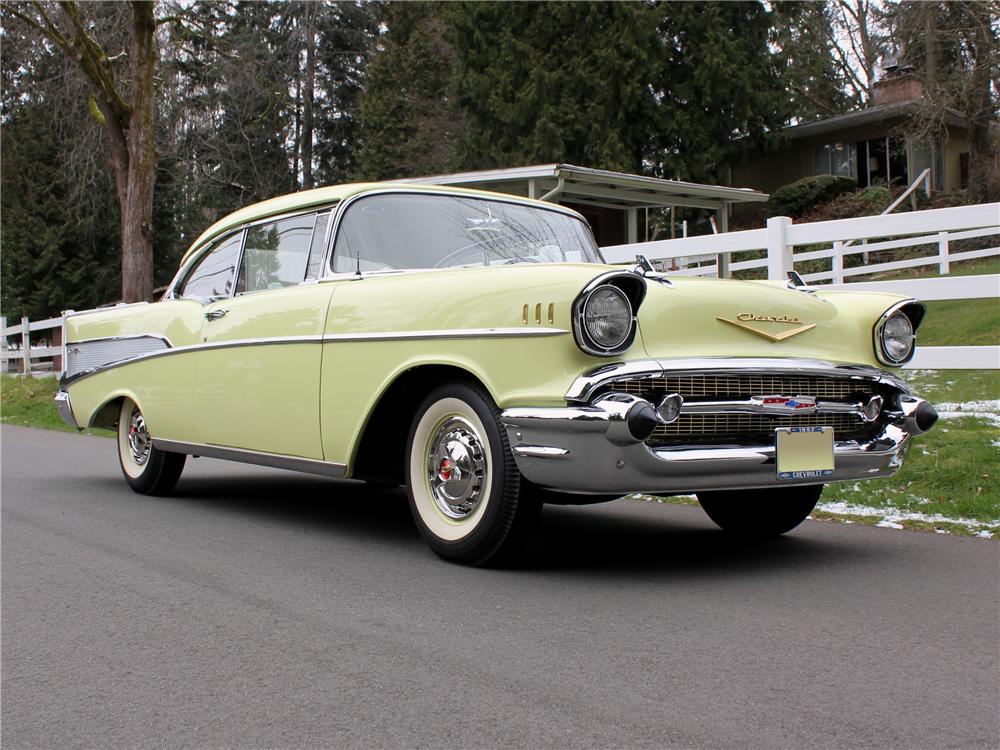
614	203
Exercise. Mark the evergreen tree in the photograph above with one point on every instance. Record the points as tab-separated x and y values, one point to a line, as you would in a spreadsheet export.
545	82
717	81
409	121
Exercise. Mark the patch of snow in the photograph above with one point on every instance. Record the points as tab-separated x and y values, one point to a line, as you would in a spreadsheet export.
893	515
883	524
985	534
941	531
988	409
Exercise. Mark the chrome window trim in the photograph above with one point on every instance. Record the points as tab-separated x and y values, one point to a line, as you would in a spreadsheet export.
260	458
877	330
585	385
197	253
172	292
513	200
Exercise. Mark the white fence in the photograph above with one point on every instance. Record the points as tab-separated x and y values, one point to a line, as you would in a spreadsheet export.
44	358
776	245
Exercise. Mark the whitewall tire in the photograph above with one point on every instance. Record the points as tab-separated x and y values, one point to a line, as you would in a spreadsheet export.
147	469
462	482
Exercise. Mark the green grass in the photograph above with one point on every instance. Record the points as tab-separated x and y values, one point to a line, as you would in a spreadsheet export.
28	401
969	322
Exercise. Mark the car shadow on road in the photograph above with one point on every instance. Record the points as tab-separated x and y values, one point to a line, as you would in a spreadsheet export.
622	537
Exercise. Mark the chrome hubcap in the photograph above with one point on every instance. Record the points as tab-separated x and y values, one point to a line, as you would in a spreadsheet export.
456	468
138	438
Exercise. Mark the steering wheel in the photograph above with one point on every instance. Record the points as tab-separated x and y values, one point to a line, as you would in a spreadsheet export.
482	253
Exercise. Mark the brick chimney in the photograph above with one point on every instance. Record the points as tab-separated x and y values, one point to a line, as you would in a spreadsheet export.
895	87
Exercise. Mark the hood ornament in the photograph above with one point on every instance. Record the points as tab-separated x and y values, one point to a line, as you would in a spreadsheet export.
744	319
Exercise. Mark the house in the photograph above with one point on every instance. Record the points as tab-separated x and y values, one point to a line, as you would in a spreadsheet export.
616	204
873	145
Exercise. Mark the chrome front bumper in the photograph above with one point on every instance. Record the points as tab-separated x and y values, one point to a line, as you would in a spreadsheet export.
66	409
593	449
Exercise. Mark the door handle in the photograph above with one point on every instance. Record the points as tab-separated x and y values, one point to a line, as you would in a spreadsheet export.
215	314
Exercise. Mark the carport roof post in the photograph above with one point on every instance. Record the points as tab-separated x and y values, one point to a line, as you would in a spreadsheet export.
566	183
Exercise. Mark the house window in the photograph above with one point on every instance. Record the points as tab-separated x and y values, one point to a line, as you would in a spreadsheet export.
883	161
834	158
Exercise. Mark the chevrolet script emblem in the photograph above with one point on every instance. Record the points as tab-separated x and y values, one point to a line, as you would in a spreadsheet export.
743	321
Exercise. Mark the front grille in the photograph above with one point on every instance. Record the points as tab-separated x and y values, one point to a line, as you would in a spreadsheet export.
749	428
750	384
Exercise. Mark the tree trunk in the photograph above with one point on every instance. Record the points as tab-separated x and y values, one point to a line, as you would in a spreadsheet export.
137	210
307	100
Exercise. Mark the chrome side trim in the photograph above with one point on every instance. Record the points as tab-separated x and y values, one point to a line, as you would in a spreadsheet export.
452	333
274	341
259	458
66	409
90	354
585	385
540	451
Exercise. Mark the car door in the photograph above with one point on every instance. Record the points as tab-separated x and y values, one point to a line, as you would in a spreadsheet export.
257	380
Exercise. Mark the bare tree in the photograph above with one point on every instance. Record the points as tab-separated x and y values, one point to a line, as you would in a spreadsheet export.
859	42
125	110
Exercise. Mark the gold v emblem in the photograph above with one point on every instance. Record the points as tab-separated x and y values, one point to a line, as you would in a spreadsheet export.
768	335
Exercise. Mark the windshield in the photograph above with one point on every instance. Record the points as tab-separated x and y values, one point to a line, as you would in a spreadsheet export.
395	231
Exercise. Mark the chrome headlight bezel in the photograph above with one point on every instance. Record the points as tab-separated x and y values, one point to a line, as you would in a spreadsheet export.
913	312
632	290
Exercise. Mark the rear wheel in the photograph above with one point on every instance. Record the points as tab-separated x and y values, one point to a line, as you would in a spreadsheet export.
462	482
760	513
147	469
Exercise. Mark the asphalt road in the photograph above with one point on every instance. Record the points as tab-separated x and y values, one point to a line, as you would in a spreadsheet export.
257	608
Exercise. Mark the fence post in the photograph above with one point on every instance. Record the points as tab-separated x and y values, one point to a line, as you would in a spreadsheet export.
62	341
838	262
943	265
779	254
3	344
25	346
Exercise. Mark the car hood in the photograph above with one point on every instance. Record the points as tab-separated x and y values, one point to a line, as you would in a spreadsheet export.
695	317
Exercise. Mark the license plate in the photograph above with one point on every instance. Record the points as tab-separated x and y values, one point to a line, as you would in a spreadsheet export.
804	452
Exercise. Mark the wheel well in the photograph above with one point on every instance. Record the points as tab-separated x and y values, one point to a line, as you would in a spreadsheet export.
107	416
381	454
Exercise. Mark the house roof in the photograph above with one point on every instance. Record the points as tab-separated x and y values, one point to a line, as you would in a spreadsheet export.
566	183
867	116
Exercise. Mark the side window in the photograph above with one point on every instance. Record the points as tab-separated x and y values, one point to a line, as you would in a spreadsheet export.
318	248
276	254
212	276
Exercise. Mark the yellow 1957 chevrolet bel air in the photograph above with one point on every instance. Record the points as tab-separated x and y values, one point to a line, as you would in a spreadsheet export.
476	348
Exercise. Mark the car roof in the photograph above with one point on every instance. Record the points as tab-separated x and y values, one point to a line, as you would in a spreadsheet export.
331	194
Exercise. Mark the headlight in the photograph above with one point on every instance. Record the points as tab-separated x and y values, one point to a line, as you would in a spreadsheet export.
607	316
604	313
895	336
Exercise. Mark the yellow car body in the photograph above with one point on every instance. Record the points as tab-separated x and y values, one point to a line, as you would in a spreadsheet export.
324	375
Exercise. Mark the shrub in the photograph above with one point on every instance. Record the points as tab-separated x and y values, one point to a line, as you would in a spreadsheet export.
869	201
798	197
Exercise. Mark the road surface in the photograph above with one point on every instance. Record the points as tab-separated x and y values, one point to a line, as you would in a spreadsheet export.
258	608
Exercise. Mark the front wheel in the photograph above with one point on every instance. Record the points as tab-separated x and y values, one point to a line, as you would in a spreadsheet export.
760	513
147	469
462	482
